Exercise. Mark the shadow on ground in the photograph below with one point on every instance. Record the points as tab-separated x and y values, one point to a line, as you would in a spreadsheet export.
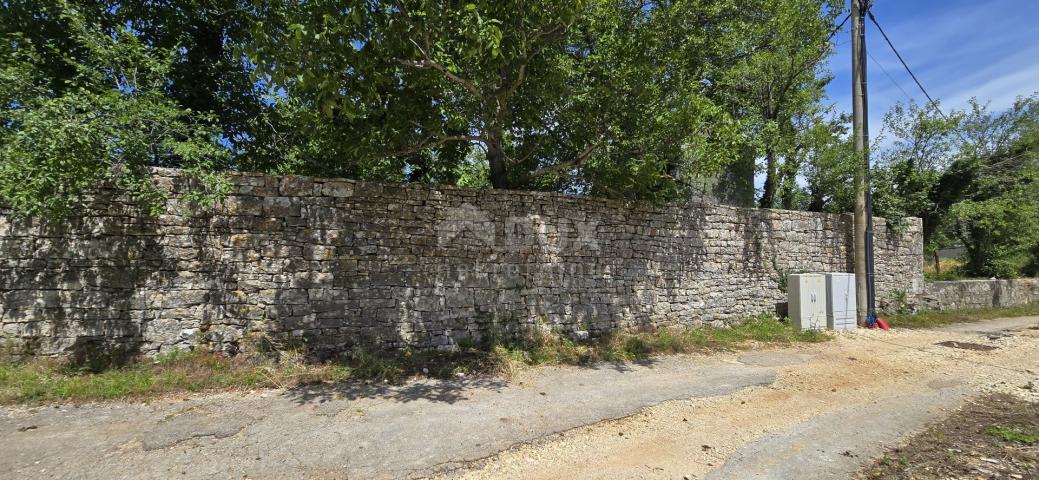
440	391
432	390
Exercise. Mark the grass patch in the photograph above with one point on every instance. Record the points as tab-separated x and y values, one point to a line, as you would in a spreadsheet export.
997	426
49	380
542	350
1014	435
42	381
951	269
931	319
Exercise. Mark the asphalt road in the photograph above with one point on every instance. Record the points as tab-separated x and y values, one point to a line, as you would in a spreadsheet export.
350	432
814	411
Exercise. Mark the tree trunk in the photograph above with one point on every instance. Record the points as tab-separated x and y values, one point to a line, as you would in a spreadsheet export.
787	198
818	202
735	185
496	161
769	194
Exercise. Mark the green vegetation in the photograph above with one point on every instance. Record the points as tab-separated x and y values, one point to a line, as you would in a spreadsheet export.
644	101
1027	437
637	100
636	346
995	426
931	319
949	269
974	179
48	381
81	107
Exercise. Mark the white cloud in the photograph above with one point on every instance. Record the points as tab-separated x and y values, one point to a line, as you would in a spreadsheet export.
985	49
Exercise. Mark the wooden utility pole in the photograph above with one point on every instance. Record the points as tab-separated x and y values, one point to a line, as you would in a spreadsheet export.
861	134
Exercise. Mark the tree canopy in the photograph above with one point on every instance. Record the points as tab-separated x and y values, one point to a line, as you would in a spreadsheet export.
648	100
969	174
645	100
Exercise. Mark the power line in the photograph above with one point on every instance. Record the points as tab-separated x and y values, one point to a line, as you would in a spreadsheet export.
839	27
911	74
889	77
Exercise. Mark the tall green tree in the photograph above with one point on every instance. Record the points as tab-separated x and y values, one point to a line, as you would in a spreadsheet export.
400	79
991	191
618	98
923	143
971	177
201	39
779	87
208	72
105	121
635	99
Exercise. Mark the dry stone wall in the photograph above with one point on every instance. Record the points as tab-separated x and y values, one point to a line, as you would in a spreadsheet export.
978	294
336	264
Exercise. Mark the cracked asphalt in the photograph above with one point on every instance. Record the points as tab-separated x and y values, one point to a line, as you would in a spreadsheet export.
811	411
353	431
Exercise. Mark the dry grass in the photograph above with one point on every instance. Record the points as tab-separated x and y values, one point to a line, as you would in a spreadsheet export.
990	437
951	269
550	350
931	319
47	380
42	381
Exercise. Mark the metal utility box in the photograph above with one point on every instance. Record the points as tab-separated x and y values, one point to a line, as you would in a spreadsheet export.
840	297
806	294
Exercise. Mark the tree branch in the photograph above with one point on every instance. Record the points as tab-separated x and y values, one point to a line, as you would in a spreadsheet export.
575	162
429	142
429	64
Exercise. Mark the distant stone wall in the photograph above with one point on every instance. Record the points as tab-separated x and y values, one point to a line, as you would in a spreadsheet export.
336	264
978	294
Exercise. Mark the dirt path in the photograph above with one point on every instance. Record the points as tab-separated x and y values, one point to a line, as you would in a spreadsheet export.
816	411
993	436
823	418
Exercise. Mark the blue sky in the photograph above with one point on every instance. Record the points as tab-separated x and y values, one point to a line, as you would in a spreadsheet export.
957	48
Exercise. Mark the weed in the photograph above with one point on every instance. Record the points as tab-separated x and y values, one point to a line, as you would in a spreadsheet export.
900	298
1013	435
43	380
930	319
951	269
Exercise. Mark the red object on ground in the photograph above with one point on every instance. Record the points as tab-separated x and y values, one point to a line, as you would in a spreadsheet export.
883	324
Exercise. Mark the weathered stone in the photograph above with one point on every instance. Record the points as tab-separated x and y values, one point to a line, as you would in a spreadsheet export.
281	207
294	186
337	188
344	264
972	294
319	252
243	205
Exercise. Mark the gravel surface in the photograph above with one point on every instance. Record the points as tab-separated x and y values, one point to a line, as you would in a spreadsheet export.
810	407
971	443
349	431
865	370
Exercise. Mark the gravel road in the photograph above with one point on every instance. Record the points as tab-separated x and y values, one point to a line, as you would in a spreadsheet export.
812	411
822	418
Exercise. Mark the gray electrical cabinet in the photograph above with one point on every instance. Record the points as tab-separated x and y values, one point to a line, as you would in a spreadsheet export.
806	296
840	298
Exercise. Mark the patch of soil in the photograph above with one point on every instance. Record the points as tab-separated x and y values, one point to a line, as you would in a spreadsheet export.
967	346
969	444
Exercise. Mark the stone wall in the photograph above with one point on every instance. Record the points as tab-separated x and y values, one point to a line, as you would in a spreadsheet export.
336	264
978	294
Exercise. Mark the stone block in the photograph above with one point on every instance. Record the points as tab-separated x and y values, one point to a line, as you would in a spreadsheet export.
281	207
319	252
337	188
293	186
358	265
